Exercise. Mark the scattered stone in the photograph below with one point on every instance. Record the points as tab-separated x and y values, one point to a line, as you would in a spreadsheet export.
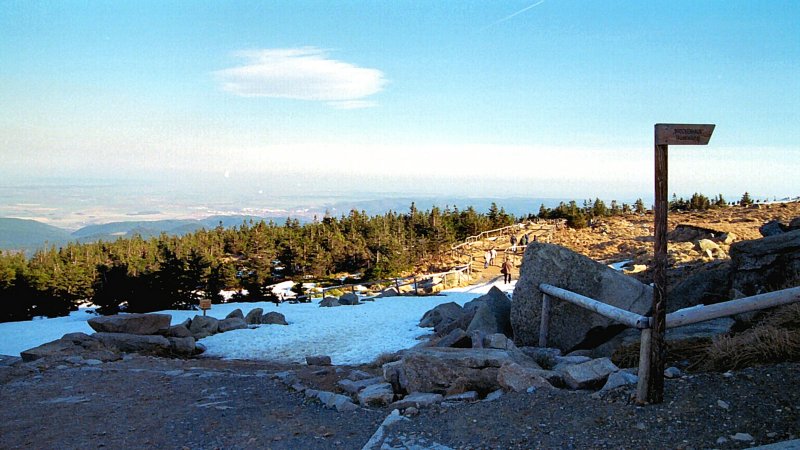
722	440
672	372
620	379
320	360
131	323
376	395
742	437
417	400
274	318
254	316
494	396
469	396
590	374
357	375
354	387
723	404
411	411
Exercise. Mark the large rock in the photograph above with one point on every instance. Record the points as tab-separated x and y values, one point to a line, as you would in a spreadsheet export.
71	344
254	316
516	378
447	312
569	324
136	343
766	264
329	302
131	323
182	346
231	323
452	371
235	314
709	285
204	326
349	298
274	318
492	313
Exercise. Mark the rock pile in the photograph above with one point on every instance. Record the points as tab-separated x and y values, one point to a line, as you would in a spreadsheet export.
148	334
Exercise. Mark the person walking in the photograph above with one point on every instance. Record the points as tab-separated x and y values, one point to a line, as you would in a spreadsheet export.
493	253
514	243
508	266
487	258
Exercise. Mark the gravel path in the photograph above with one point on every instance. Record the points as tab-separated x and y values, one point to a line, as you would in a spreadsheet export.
205	404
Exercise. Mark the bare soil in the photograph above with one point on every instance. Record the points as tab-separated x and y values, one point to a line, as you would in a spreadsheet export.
145	402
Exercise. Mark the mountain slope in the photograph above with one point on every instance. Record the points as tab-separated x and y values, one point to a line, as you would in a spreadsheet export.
27	235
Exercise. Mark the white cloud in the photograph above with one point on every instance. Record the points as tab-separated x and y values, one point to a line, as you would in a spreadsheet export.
305	73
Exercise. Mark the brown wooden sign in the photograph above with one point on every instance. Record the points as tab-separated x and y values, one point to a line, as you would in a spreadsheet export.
683	134
205	304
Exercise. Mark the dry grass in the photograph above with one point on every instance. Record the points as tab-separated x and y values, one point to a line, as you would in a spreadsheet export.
763	344
774	338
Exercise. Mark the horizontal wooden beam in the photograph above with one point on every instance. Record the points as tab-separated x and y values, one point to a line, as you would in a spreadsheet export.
702	313
612	312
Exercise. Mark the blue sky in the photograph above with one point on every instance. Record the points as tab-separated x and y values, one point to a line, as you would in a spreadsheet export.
551	98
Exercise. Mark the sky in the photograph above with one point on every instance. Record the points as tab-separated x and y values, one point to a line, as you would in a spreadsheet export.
553	98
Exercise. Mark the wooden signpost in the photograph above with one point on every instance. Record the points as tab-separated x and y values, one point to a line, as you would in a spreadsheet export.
205	305
666	134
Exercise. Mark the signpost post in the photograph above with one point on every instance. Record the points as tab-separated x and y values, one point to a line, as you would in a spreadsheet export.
665	135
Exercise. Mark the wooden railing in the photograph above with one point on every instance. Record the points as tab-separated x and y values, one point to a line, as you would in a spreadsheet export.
414	280
678	318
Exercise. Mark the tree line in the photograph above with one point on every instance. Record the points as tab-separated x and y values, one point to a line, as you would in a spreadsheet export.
170	272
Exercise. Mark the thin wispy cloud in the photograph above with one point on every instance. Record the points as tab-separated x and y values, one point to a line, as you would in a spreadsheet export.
510	16
305	73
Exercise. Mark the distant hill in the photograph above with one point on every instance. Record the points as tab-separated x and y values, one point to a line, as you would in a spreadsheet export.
152	228
28	235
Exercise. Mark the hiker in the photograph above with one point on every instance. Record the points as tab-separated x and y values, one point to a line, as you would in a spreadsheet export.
487	258
493	253
524	240
514	243
506	271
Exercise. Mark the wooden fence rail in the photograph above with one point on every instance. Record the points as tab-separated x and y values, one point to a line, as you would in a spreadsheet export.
399	282
685	316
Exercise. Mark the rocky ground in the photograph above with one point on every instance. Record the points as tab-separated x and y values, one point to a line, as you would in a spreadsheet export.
148	402
145	402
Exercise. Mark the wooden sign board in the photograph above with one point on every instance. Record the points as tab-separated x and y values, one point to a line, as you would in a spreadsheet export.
683	134
205	304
